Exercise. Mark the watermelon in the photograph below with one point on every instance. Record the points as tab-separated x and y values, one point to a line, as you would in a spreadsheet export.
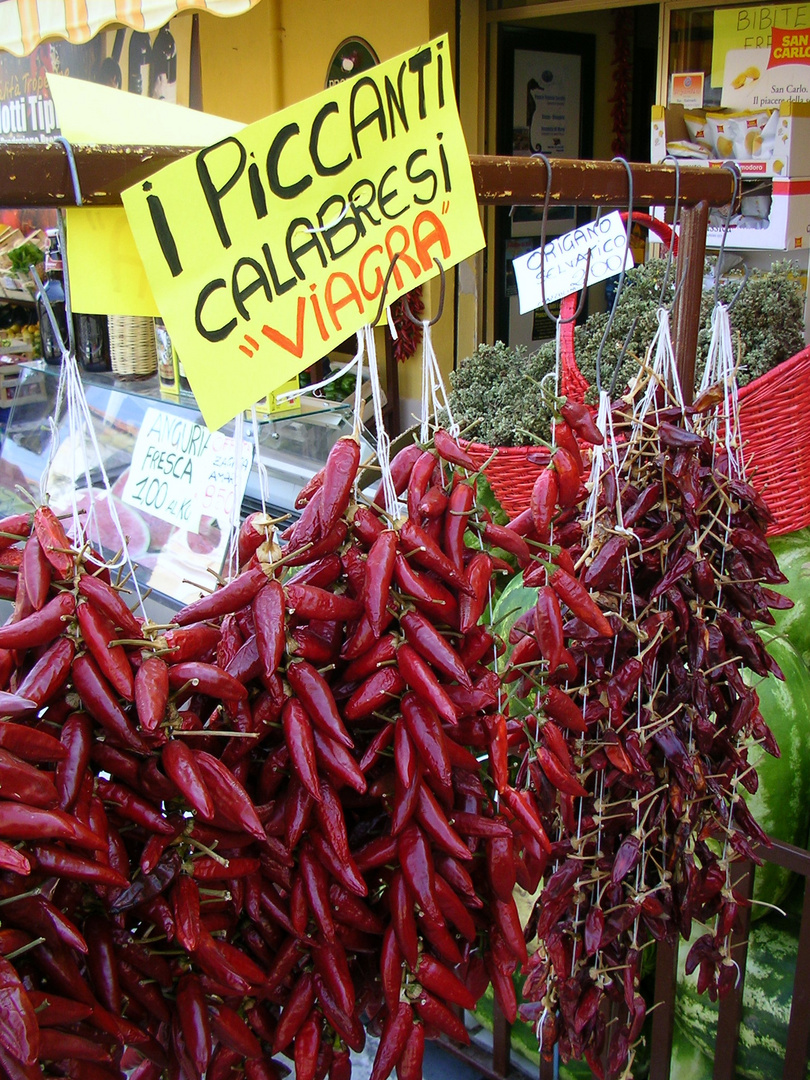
781	804
687	1062
132	523
767	997
793	553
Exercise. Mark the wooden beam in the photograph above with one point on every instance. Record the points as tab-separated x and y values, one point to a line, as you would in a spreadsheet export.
521	181
38	174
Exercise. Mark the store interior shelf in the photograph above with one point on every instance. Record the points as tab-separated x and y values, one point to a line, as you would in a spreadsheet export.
308	405
292	448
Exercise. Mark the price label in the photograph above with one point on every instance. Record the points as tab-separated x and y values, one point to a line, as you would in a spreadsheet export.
561	266
181	470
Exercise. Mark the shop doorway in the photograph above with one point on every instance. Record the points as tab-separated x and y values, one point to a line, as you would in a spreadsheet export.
567	93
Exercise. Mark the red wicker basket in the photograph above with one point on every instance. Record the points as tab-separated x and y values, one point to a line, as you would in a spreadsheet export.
773	425
510	473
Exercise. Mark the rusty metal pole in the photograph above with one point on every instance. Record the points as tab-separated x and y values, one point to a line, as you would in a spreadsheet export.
686	316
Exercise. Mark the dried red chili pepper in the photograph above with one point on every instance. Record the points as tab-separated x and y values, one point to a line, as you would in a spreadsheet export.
55	543
459	508
229	796
181	767
339	474
418	675
311	602
573	593
473	604
393	1040
98	634
424	727
580	418
336	760
544	500
448	449
301	745
378	577
40	627
49	674
268	615
316	697
102	705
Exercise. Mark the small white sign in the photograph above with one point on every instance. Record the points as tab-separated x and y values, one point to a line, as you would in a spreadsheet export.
181	470
566	257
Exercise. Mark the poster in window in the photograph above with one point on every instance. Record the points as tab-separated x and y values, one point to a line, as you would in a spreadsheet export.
546	103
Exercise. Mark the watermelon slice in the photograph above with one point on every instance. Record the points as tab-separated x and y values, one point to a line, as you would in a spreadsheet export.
133	525
159	530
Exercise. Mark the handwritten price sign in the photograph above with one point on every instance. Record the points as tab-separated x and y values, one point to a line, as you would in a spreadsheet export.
181	470
566	258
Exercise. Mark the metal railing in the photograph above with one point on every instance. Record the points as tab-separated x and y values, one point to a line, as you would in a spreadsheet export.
495	1062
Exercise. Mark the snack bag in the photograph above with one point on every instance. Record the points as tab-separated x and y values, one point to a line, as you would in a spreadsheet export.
700	131
748	138
769	135
722	130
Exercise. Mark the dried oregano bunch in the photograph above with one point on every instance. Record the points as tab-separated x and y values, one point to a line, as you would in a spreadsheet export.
767	321
498	386
496	395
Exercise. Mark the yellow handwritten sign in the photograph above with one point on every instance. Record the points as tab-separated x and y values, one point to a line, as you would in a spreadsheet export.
269	247
751	28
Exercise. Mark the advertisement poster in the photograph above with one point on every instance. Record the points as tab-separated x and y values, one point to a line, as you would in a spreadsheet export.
155	64
761	55
145	64
686	88
546	103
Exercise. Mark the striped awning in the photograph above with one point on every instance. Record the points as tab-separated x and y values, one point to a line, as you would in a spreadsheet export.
26	23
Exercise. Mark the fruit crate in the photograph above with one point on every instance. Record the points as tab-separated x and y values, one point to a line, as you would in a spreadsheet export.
21	385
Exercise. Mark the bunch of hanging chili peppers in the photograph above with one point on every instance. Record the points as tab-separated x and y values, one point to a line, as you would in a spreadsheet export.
272	825
642	731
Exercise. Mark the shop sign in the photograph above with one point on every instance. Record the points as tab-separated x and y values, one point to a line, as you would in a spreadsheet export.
551	274
761	55
267	248
686	88
351	57
180	470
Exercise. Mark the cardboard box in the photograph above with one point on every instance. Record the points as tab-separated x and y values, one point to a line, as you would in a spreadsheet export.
788	227
791	157
15	387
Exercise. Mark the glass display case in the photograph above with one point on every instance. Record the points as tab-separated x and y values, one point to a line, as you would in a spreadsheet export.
175	542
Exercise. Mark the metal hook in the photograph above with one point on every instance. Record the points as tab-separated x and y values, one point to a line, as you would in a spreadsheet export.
74	173
386	280
556	319
432	322
675	218
620	286
734	169
740	287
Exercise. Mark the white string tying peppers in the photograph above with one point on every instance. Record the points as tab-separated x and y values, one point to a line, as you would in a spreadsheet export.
71	397
434	393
